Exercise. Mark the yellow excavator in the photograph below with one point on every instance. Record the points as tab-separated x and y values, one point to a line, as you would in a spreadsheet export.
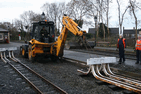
46	45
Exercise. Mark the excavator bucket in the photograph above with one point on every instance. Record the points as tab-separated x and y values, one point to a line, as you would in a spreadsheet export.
72	45
82	43
76	45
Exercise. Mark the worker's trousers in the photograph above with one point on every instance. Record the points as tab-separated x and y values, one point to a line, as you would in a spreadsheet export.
121	53
138	55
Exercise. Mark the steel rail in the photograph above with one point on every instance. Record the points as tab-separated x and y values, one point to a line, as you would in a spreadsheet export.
121	79
114	80
85	73
31	84
38	75
99	76
14	57
2	58
6	58
45	80
11	57
129	78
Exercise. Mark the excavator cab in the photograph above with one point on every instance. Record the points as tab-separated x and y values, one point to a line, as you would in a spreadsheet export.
43	31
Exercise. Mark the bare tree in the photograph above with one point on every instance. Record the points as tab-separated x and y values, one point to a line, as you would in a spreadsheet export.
121	16
77	9
52	11
98	8
133	5
107	14
61	11
28	17
17	23
91	10
101	6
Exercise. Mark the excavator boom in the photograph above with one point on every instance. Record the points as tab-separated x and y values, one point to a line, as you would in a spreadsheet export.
68	24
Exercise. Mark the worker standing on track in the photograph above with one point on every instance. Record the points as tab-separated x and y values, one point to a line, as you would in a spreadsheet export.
138	48
121	45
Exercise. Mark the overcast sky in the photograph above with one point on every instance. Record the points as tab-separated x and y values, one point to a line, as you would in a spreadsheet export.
12	9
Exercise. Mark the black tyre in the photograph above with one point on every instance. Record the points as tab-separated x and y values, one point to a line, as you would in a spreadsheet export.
32	59
20	50
54	58
23	52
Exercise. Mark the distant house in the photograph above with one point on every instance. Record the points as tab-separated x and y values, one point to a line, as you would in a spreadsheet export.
130	33
4	35
91	31
114	32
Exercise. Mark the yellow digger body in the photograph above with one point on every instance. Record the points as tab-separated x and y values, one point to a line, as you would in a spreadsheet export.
55	48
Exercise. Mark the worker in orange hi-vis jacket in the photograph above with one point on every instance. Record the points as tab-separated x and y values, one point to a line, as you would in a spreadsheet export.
138	48
121	44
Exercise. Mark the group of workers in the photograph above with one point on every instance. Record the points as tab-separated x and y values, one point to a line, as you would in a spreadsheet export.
121	45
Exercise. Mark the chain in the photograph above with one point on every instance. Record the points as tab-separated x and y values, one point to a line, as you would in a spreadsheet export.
85	42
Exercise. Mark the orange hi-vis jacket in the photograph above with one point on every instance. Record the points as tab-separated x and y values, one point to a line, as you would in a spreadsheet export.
123	40
138	45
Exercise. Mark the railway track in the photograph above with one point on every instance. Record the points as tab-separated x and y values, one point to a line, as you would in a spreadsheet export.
35	80
115	78
130	56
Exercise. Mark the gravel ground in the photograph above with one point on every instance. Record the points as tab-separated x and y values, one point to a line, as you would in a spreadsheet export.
63	74
126	68
11	82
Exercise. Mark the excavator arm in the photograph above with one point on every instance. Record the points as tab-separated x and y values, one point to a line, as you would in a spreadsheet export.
72	26
68	24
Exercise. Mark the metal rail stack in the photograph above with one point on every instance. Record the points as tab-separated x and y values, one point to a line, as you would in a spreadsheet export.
98	65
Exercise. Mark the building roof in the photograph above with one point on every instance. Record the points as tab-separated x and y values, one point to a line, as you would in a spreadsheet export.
130	31
91	30
3	30
116	31
112	30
